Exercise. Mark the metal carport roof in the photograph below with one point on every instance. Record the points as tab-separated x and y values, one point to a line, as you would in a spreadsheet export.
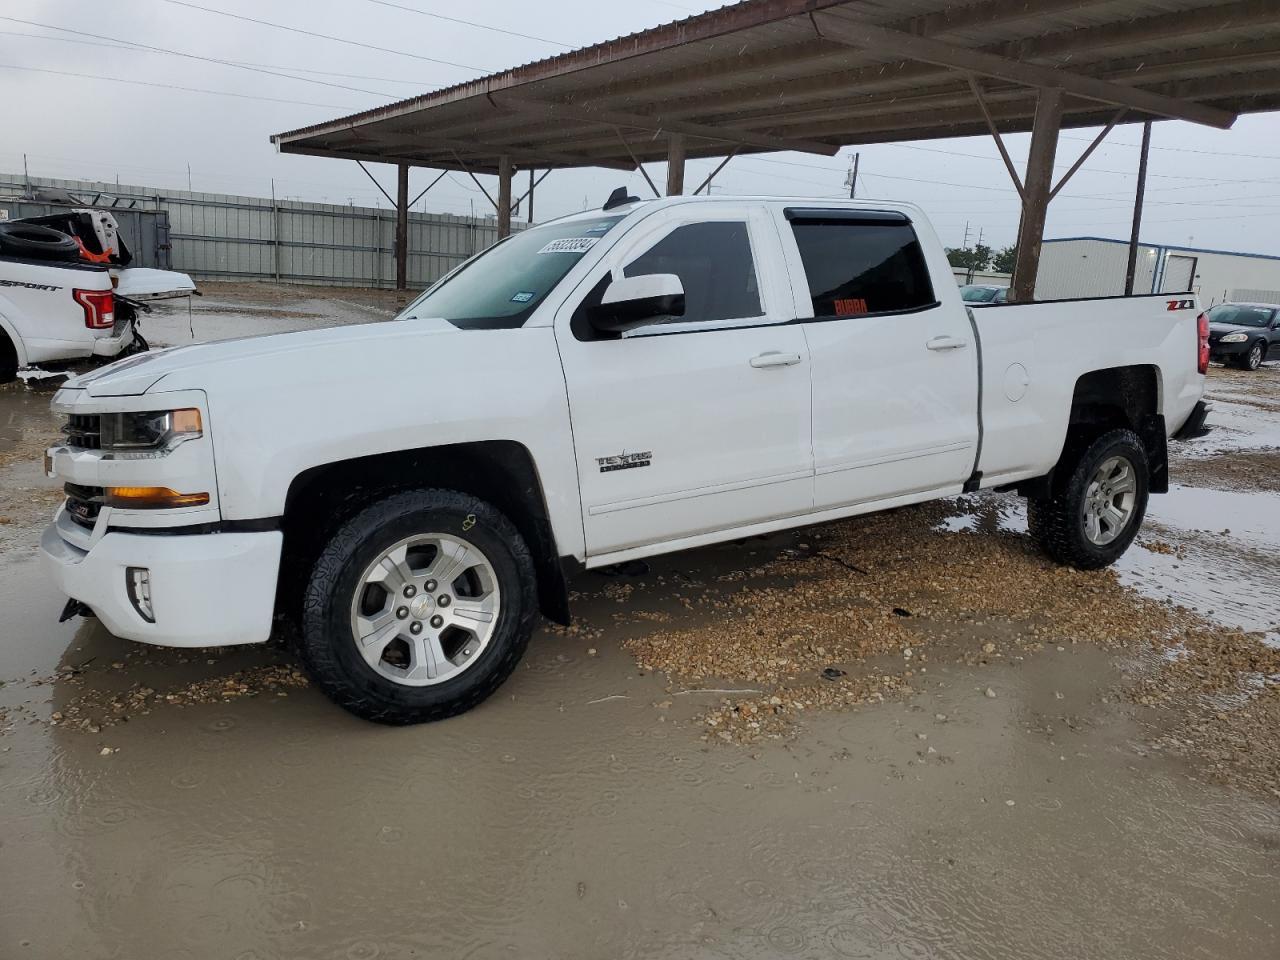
815	75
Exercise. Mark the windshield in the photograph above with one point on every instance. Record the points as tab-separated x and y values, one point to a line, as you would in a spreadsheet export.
499	289
1241	316
978	294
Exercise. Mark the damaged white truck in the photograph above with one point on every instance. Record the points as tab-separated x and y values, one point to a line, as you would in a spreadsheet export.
647	378
68	291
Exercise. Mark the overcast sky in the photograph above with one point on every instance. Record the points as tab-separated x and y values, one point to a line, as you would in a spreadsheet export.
1207	188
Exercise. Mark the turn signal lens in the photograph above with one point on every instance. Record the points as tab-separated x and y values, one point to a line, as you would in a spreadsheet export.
152	498
185	422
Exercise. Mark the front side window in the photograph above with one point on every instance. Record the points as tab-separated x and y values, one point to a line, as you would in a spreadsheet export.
714	263
499	289
857	267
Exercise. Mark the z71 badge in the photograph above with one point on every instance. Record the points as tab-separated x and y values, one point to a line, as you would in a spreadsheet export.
1181	305
625	461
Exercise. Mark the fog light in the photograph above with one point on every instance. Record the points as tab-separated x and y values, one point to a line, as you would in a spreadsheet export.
137	582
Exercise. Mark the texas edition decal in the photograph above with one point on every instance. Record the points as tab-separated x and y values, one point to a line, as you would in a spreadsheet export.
625	461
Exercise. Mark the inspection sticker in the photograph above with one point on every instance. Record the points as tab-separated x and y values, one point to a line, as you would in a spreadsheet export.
524	296
570	245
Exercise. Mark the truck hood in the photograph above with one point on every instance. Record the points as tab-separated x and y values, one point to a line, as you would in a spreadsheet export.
204	361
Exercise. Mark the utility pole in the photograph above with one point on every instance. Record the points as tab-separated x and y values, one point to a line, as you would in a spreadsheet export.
965	244
189	190
853	177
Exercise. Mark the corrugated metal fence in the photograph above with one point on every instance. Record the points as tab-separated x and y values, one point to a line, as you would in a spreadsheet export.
223	237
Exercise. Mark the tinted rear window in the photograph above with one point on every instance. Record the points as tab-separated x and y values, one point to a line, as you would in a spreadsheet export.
857	268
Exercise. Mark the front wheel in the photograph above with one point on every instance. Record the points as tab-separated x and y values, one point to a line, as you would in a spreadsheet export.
419	607
1096	514
1253	359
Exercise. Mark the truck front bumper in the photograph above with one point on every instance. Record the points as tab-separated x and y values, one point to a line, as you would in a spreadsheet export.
203	589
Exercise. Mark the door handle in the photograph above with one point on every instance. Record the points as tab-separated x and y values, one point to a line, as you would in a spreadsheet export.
947	343
775	359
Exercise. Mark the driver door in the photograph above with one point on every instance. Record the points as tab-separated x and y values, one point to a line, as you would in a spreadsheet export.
694	424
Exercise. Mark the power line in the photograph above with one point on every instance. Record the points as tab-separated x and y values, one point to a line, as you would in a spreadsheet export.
325	36
129	45
170	86
1208	153
471	23
194	56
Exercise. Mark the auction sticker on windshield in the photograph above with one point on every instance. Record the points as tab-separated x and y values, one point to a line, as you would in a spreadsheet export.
570	245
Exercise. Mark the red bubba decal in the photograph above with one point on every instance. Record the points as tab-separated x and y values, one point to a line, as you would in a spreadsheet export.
845	308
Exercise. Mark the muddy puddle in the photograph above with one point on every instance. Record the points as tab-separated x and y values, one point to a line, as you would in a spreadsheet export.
1008	799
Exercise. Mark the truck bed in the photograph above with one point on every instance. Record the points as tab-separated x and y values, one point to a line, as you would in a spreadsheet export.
1033	355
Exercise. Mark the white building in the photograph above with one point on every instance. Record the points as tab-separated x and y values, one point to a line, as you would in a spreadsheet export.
1095	267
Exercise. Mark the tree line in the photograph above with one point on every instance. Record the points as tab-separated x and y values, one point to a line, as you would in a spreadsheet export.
981	258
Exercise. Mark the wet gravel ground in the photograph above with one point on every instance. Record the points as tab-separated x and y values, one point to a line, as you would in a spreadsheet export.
902	736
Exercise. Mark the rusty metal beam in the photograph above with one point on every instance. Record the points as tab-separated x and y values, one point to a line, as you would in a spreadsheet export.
675	165
338	153
402	227
705	184
639	166
476	180
1035	203
473	146
1131	267
506	171
660	124
995	134
427	189
927	50
1097	141
360	164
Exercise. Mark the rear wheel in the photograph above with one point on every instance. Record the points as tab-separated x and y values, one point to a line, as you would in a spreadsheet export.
8	359
419	607
1092	520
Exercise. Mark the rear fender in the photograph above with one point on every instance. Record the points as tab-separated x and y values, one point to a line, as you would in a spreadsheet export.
12	332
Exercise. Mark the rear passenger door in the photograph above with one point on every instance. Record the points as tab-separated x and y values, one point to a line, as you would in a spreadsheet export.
895	372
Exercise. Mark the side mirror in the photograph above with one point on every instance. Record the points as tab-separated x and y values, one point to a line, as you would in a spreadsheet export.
634	302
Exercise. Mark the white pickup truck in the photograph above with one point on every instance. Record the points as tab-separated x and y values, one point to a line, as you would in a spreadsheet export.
67	291
643	379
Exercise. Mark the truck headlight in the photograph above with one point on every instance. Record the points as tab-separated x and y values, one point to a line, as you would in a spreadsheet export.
1234	338
148	434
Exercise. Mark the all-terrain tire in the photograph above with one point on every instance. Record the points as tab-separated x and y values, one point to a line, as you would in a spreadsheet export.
1057	523
326	641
